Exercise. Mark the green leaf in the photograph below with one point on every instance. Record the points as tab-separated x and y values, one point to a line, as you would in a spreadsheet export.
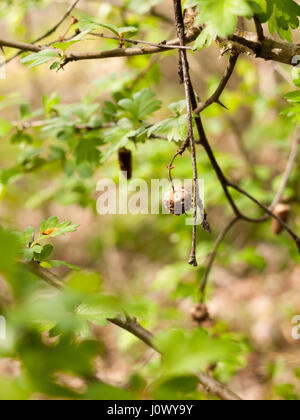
293	96
50	102
178	107
187	352
284	17
220	16
141	105
99	308
68	355
45	253
21	137
102	391
173	128
176	388
118	136
64	45
51	228
27	236
206	38
114	29
86	151
24	111
42	57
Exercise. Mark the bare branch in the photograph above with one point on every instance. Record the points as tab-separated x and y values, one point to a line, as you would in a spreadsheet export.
184	65
268	211
59	23
132	326
215	98
138	41
278	196
50	31
242	41
259	29
217	389
20	46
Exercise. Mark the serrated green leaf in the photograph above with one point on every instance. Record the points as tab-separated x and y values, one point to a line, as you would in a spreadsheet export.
50	228
42	57
173	128
141	105
219	16
186	352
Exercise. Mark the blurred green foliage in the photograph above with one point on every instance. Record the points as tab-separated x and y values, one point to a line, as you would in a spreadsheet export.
55	154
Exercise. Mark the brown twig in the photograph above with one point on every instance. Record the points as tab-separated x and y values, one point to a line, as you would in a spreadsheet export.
244	42
268	211
259	29
188	89
277	198
178	153
139	41
215	98
50	31
131	325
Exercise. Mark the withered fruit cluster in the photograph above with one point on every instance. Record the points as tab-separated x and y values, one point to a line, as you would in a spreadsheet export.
125	162
177	200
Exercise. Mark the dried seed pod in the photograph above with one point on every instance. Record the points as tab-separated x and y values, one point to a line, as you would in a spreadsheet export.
199	313
178	201
125	162
283	212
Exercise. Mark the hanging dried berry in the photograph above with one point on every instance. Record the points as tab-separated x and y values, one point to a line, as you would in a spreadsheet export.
125	162
199	313
178	201
283	212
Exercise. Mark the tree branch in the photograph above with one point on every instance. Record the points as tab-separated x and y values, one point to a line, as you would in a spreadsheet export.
50	31
215	98
268	211
139	41
217	389
132	326
188	88
277	198
242	41
259	29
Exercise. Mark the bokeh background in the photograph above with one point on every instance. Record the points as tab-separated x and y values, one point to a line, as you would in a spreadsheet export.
254	287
